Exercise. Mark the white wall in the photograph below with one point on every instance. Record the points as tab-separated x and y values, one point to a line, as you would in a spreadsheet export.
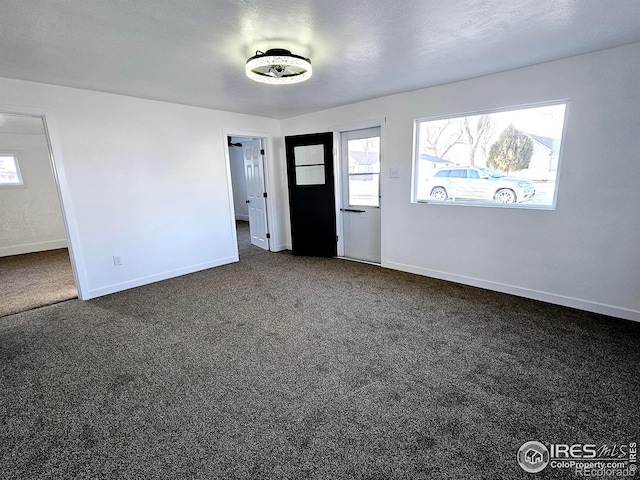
30	216
149	181
239	181
141	179
585	253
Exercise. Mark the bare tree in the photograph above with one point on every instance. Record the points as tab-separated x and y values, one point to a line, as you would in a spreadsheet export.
368	143
473	132
440	137
483	131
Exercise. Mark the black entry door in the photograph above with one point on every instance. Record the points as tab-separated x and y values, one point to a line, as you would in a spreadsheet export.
312	194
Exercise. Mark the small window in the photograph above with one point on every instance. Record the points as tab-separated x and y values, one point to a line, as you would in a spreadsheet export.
9	170
309	164
364	172
508	157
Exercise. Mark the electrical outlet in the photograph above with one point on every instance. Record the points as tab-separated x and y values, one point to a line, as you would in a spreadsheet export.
117	260
394	172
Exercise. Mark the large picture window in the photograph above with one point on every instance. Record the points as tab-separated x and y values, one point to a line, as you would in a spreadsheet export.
9	170
499	158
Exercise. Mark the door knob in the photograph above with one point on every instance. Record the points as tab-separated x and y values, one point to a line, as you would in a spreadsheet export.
247	201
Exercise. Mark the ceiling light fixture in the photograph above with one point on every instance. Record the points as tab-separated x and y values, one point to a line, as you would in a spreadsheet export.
278	66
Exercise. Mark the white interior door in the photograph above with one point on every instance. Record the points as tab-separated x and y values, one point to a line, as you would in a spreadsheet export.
257	201
360	162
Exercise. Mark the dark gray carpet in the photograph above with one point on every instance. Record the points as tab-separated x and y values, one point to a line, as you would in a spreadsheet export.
288	368
33	280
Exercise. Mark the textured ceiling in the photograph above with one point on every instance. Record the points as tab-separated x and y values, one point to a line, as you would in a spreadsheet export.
193	51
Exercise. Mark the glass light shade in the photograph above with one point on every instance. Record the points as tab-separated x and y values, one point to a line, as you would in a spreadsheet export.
278	67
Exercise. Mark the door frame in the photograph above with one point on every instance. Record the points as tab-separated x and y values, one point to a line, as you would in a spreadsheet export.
272	221
62	187
339	165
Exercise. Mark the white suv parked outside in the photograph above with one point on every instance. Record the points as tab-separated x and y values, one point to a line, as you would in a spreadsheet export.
478	183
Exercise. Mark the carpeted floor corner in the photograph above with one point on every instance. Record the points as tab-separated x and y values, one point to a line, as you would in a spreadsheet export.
284	367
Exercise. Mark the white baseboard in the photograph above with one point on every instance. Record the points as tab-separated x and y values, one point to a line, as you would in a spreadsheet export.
32	248
138	282
565	301
244	218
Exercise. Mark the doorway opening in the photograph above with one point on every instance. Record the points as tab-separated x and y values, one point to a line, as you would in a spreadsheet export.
360	197
247	166
34	251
